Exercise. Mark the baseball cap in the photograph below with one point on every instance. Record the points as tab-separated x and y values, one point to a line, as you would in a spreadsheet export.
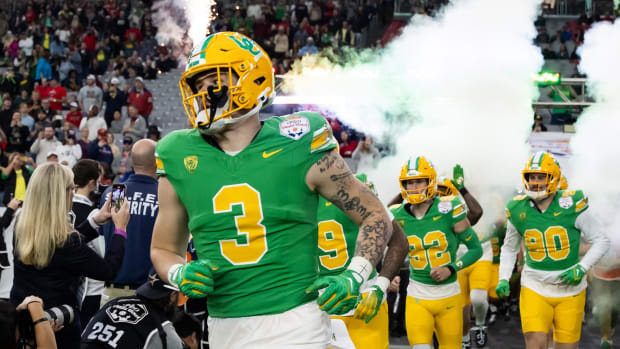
90	76
52	153
73	104
102	132
71	134
154	287
114	81
127	140
139	78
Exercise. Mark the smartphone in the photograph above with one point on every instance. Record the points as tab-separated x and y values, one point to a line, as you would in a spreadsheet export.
118	195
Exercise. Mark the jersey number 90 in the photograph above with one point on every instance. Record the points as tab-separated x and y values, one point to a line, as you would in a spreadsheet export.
553	243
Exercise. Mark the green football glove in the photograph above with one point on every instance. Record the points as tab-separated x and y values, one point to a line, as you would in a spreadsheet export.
457	177
573	275
369	304
194	279
341	293
503	288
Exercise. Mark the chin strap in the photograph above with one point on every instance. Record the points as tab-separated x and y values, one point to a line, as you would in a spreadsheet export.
536	195
216	99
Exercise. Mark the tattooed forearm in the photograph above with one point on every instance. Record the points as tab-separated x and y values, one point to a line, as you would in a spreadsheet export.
397	250
335	182
371	239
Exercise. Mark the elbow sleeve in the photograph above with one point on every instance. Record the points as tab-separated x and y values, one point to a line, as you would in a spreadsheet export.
474	249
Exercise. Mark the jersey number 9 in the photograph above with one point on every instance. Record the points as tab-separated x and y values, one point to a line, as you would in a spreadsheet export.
331	239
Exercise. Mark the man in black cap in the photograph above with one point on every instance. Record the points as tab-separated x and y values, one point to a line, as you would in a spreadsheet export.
538	125
141	321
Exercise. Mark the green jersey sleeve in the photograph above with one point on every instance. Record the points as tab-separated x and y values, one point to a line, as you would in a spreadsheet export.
453	206
164	151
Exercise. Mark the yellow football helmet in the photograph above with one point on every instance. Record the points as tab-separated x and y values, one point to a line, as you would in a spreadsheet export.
445	187
420	168
544	163
563	183
251	84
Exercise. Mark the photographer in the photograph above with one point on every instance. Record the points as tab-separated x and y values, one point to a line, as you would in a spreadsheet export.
12	331
50	256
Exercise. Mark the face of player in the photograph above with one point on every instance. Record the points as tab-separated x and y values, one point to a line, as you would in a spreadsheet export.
209	79
537	182
417	185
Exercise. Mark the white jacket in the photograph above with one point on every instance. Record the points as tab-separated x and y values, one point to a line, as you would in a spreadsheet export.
69	153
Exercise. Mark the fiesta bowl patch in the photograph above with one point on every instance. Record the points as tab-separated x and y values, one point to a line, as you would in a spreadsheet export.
294	127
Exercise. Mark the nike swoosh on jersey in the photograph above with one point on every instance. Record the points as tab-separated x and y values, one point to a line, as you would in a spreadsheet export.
557	213
469	238
436	218
328	204
266	154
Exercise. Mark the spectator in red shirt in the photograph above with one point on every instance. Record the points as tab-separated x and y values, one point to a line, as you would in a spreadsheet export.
30	15
74	115
141	98
90	39
347	146
57	95
43	89
135	30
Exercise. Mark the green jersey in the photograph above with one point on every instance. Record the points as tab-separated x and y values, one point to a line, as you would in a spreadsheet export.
337	237
497	240
551	239
252	214
432	242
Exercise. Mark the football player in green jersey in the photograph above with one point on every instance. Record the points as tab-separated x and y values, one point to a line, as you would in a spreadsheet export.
368	327
248	192
434	227
551	224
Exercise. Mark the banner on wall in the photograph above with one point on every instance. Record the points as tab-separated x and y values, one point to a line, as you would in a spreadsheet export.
557	143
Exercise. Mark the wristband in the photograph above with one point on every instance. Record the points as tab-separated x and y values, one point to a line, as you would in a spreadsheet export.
451	268
463	191
43	319
172	273
120	232
383	283
362	266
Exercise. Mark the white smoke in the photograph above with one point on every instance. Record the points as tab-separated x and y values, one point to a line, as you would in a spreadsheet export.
594	166
175	18
456	88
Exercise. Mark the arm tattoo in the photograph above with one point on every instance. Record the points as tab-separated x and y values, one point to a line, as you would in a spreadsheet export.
395	255
353	199
329	160
371	240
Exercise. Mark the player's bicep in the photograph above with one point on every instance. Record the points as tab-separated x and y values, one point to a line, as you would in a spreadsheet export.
331	178
170	232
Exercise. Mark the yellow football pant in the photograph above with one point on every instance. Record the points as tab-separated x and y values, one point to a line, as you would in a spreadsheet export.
494	280
443	316
476	276
539	313
372	335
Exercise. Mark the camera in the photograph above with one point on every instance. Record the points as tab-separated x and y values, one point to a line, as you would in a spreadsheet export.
63	314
